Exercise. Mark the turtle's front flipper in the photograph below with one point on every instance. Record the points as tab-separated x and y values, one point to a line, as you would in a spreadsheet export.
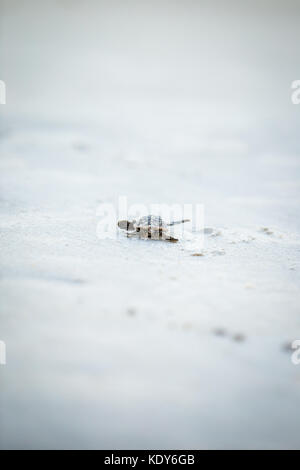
131	235
179	222
171	239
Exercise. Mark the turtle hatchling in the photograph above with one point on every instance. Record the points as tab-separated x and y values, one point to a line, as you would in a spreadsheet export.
150	226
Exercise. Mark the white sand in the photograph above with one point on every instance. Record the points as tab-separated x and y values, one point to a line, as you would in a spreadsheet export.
113	343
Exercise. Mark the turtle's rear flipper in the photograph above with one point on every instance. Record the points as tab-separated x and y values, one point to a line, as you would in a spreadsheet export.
131	234
176	222
171	239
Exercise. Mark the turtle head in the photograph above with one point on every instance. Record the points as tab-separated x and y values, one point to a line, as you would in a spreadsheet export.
126	225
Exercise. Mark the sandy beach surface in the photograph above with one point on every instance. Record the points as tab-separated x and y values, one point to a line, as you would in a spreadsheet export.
124	343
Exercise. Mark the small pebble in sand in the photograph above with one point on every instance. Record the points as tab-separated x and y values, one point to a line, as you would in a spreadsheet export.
219	332
131	312
218	252
212	231
208	230
238	337
266	230
216	233
247	239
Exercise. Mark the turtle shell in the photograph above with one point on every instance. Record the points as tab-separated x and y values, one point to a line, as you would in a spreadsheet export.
151	222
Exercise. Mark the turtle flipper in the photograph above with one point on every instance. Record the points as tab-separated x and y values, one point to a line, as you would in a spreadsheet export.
176	222
171	239
131	235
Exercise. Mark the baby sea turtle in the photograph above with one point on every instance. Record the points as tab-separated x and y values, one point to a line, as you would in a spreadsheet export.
150	226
